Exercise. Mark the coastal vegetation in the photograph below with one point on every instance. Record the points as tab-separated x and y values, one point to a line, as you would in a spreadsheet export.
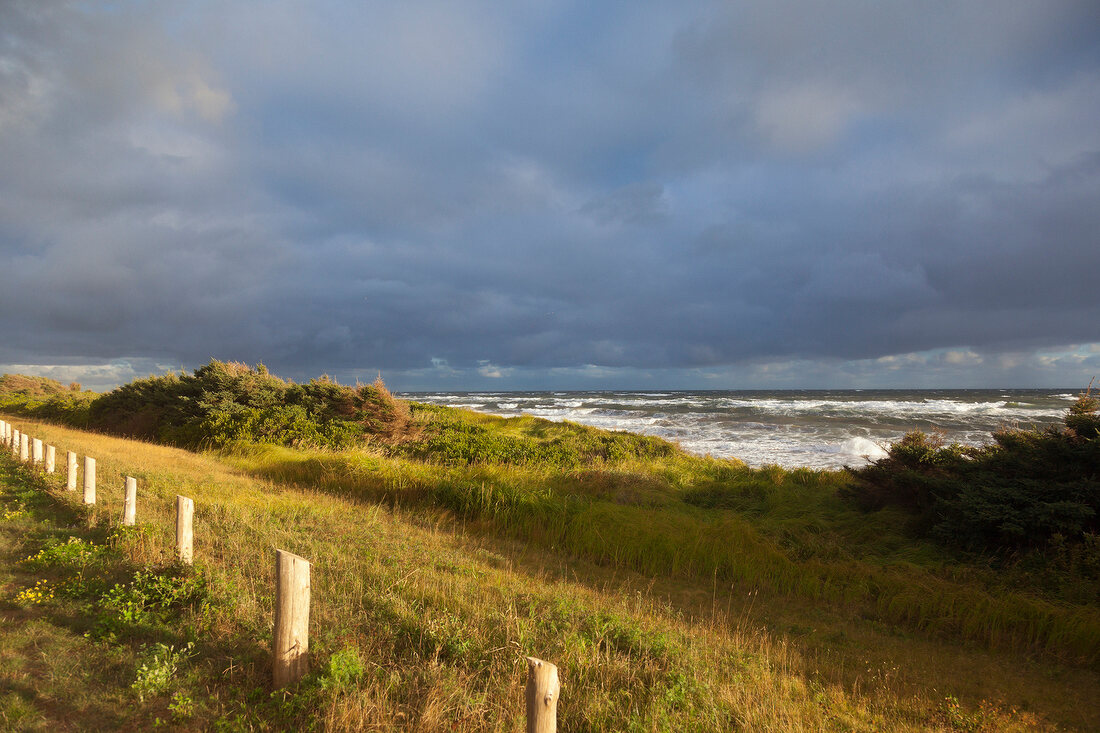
674	591
1030	492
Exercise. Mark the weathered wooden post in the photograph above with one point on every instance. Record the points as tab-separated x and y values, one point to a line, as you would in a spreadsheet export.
185	513
51	459
70	481
543	690
291	646
129	504
24	447
89	480
37	454
15	443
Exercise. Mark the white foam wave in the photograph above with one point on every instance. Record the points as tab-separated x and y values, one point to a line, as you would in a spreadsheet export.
864	448
796	430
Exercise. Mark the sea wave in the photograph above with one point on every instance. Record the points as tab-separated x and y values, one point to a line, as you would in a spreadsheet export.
820	430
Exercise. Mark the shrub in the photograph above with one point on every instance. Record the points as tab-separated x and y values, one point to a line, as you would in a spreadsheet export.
1026	488
224	402
46	398
463	438
27	387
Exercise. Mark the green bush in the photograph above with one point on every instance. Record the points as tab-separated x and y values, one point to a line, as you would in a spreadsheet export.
1021	491
224	402
461	438
45	398
228	402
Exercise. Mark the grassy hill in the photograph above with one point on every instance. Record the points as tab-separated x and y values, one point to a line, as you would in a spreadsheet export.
674	592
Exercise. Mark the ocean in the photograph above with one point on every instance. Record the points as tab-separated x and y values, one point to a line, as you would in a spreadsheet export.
791	428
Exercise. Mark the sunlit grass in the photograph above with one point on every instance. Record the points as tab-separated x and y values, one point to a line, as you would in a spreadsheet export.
439	578
786	532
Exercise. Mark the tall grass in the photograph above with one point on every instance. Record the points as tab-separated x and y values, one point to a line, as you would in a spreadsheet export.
416	626
635	519
614	498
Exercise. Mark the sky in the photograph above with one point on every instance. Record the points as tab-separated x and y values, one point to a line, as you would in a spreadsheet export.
553	195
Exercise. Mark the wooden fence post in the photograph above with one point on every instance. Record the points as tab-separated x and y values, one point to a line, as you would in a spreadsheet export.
15	443
51	459
543	690
185	512
24	447
291	645
70	482
89	480
129	504
36	451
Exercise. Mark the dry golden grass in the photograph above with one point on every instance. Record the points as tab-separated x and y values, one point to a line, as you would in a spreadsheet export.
441	618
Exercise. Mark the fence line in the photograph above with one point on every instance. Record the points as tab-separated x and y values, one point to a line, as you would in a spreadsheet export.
290	644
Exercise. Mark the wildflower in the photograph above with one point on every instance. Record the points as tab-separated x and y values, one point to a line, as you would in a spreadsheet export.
42	592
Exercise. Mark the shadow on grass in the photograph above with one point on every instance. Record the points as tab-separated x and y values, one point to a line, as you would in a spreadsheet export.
71	657
678	540
31	489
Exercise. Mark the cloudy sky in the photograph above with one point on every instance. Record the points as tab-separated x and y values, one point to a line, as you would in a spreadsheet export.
486	195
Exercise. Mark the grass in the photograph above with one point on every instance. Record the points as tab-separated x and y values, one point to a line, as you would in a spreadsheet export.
716	600
698	519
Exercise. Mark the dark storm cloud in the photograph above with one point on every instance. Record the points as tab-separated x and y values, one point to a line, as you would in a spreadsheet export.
550	192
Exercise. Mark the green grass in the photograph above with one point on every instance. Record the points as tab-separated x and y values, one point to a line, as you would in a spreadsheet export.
704	519
675	593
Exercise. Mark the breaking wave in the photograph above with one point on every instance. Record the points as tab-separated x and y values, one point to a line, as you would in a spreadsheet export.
815	429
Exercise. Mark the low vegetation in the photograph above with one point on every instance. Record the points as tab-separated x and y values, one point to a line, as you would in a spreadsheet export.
676	592
218	403
1030	492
